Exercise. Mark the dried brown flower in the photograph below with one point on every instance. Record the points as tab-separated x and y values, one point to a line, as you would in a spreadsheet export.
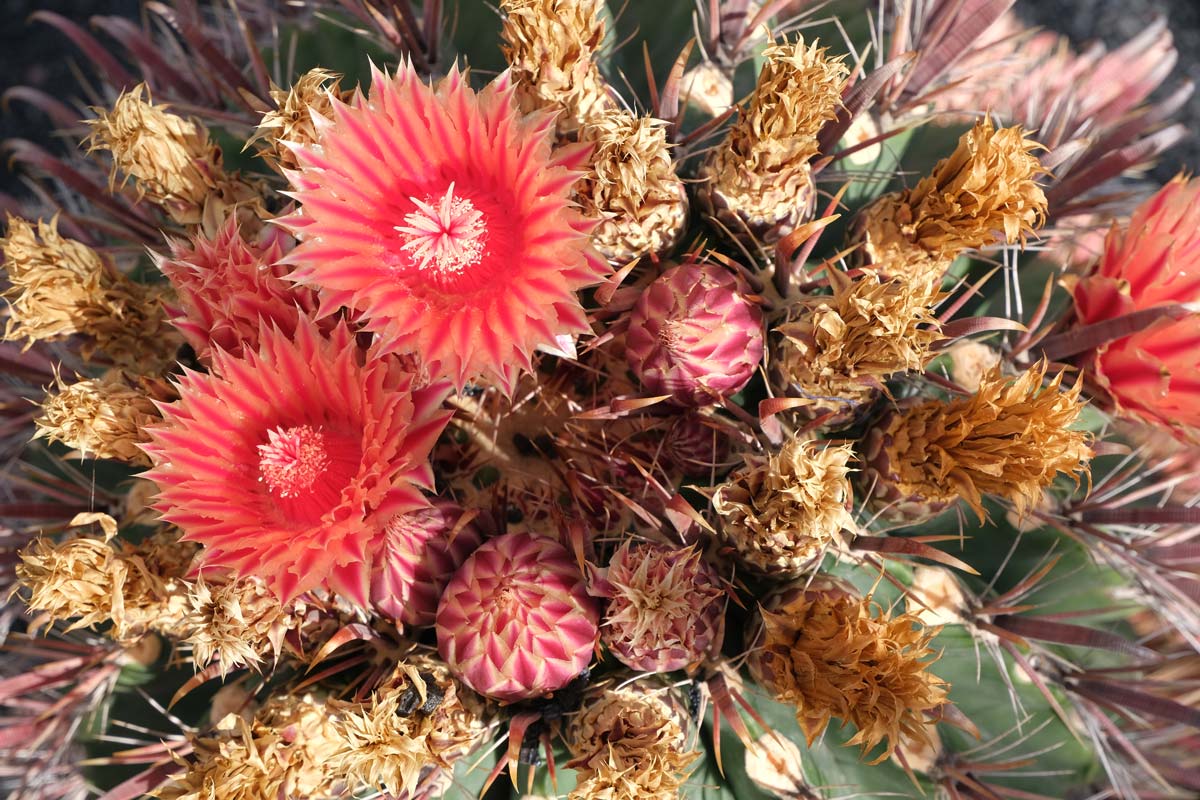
291	122
94	580
62	287
1010	440
985	191
171	160
283	752
760	172
631	184
420	720
835	655
629	744
101	417
552	46
781	512
236	622
838	349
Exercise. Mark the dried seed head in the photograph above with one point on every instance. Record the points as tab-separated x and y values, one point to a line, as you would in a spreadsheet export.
1009	440
782	512
985	192
838	349
236	623
552	46
833	655
291	121
760	174
417	722
665	609
283	752
62	287
629	744
171	160
100	417
94	580
631	183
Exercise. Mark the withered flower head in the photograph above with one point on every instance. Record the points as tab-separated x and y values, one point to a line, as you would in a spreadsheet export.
101	417
1010	439
665	609
838	349
985	191
418	721
171	159
552	46
94	580
236	622
291	121
283	752
834	655
761	172
62	287
631	182
781	512
629	744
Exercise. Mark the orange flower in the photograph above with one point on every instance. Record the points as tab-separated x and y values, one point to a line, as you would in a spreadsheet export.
1153	374
286	462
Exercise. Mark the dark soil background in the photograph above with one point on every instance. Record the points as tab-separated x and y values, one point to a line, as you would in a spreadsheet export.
37	55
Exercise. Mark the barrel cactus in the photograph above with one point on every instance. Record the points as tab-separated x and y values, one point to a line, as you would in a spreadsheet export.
689	400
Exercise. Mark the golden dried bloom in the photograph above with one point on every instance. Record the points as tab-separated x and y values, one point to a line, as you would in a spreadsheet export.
631	183
629	744
283	752
101	417
552	46
236	623
291	121
984	192
1009	440
833	655
171	159
781	513
760	173
62	287
419	721
95	580
837	350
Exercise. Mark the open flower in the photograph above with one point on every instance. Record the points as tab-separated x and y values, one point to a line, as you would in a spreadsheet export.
285	463
442	217
1153	374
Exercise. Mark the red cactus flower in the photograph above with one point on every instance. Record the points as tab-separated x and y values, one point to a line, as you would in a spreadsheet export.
286	462
442	217
229	287
1153	374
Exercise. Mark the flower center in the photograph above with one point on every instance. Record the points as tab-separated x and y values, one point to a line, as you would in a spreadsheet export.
446	234
292	460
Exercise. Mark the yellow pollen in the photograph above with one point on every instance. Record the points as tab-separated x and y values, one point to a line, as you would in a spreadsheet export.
446	233
292	460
